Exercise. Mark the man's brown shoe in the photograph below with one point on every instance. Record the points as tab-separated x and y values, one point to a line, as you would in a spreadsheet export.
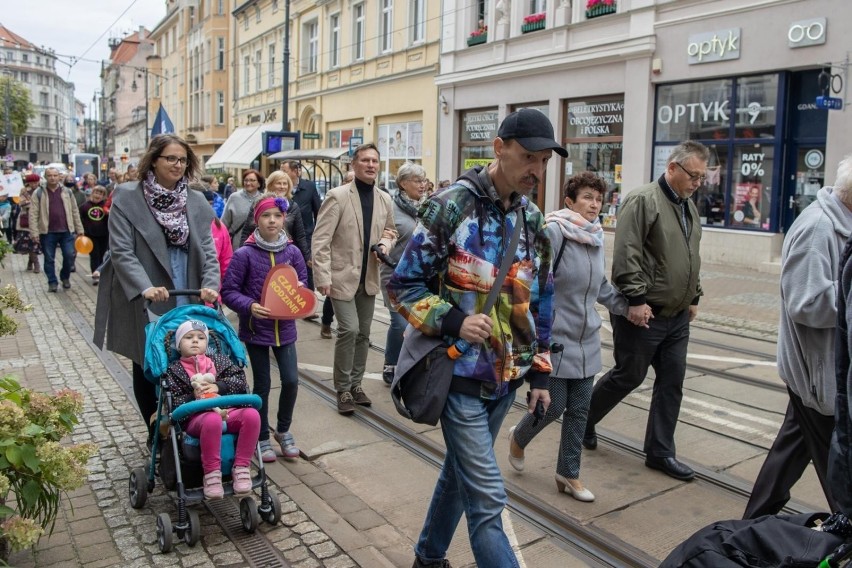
345	404
360	396
325	331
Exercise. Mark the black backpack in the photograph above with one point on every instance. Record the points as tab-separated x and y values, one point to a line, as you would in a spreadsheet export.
773	540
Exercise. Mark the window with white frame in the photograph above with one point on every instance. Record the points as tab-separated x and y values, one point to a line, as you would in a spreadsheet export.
536	6
334	40
221	8
257	56
274	6
358	35
271	64
418	21
220	54
386	26
312	33
257	14
246	73
245	21
220	107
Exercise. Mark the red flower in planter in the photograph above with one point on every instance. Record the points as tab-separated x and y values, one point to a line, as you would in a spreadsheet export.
592	3
479	32
535	18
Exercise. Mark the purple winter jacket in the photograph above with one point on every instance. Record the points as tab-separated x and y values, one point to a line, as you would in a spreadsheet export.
243	285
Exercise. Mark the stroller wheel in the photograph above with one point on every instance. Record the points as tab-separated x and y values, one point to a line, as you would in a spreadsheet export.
192	535
271	512
138	488
249	515
164	532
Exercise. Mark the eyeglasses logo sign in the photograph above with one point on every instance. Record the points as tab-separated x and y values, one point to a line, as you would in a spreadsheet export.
806	33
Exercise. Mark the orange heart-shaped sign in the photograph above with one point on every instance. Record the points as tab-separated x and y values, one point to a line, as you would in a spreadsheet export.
284	296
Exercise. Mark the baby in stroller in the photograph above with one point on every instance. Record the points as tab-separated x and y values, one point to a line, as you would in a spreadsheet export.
191	339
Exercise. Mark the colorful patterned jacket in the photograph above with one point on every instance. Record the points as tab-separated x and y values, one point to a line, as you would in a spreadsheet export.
448	268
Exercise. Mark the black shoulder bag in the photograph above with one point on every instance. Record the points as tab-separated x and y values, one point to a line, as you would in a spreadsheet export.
424	370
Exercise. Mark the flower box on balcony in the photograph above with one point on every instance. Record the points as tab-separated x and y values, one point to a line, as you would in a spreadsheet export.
477	39
600	10
531	27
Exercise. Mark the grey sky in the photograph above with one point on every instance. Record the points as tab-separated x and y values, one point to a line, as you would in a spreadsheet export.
69	27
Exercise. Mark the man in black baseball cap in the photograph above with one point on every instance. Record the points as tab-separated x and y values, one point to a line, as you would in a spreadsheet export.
532	130
462	236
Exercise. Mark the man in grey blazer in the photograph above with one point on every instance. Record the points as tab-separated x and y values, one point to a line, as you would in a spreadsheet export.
352	218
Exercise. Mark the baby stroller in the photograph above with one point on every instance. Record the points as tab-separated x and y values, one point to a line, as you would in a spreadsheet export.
179	467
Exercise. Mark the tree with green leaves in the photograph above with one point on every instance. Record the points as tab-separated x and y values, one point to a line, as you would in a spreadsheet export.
20	108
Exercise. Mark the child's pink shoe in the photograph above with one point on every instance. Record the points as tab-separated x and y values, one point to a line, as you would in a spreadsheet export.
241	480
213	485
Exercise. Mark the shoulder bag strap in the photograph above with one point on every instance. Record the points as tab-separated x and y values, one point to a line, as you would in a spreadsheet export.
508	257
559	255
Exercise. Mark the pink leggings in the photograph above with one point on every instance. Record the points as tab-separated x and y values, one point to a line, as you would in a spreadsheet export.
207	426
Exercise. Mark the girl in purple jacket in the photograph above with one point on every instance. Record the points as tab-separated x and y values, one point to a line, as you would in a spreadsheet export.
241	291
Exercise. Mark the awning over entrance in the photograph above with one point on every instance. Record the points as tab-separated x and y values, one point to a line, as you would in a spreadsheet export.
241	148
315	155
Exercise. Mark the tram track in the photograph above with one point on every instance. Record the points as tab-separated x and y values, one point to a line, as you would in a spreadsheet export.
721	481
597	547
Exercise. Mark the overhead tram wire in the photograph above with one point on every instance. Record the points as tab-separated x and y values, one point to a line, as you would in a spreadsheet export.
72	59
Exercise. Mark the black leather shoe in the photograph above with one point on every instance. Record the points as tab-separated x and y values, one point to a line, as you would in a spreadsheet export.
671	467
590	439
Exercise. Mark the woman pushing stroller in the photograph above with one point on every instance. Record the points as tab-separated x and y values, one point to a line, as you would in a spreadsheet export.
197	376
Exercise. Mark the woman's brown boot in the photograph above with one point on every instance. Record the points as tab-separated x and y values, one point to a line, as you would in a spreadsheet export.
34	258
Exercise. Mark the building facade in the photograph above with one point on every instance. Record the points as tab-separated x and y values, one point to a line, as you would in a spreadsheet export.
52	132
625	81
122	85
359	72
191	74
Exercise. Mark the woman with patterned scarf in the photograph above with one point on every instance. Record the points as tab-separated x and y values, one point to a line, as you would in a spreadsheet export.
412	182
160	240
578	281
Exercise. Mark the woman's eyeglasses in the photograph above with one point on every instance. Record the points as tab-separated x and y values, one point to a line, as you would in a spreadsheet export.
172	160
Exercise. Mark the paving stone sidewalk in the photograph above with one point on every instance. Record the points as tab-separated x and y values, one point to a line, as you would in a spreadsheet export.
96	526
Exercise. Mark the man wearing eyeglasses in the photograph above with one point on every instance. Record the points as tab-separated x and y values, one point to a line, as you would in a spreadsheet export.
656	266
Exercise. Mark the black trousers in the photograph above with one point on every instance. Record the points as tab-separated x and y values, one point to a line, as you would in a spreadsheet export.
145	393
663	346
805	436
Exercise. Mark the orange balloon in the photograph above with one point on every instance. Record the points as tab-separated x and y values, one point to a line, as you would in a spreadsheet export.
16	199
84	245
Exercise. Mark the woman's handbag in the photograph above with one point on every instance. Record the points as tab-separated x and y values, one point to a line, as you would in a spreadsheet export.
24	220
424	370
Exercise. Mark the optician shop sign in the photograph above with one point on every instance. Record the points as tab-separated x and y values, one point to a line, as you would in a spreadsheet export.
709	47
806	33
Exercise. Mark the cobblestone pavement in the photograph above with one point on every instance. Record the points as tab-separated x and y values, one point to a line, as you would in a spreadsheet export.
97	526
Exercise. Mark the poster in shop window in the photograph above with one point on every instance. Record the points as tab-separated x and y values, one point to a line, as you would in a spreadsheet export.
748	197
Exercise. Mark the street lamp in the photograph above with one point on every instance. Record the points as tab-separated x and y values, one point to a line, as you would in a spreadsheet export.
133	88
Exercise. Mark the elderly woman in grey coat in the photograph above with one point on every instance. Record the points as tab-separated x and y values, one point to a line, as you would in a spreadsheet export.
578	280
160	240
411	179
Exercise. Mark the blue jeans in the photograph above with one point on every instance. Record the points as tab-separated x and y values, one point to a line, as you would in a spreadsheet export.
470	483
49	242
393	343
288	371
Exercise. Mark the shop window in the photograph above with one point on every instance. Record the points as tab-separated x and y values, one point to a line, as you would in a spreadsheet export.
739	188
691	111
340	138
398	143
479	128
594	131
751	187
756	113
710	197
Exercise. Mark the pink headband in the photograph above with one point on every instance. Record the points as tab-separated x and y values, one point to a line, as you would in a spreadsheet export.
268	203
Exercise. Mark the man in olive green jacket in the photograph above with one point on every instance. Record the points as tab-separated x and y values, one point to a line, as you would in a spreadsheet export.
656	266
